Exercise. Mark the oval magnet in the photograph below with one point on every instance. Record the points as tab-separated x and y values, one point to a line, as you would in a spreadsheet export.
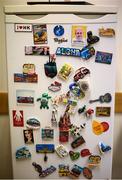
105	126
87	173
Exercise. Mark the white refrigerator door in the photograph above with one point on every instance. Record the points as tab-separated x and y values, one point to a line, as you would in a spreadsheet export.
102	80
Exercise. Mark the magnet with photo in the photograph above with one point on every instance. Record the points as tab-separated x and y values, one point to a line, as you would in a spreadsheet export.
25	97
23	153
47	133
103	111
63	170
18	119
40	34
103	57
37	50
28	136
33	123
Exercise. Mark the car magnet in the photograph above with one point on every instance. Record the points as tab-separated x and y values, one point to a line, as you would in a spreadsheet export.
33	123
103	147
107	98
61	151
85	152
103	57
87	173
28	136
44	99
58	30
18	119
74	155
77	142
63	170
40	33
92	39
108	32
23	153
103	111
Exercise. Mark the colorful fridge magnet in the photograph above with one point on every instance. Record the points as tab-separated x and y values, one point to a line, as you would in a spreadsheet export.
54	115
64	136
37	167
87	173
75	130
18	119
64	123
61	151
61	40
87	52
58	30
44	99
107	98
55	87
28	136
108	32
47	171
103	147
22	27
40	34
45	148
77	142
47	133
76	91
103	111
37	50
62	51
81	73
50	67
33	123
74	155
78	35
25	97
103	57
23	153
92	39
65	71
99	127
89	112
85	152
105	126
75	172
63	170
84	85
94	161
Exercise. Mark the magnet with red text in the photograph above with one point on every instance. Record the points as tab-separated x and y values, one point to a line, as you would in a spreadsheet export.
18	119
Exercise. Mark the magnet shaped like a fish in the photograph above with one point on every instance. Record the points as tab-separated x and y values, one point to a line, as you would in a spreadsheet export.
33	123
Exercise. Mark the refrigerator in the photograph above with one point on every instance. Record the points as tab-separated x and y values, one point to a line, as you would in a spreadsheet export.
26	95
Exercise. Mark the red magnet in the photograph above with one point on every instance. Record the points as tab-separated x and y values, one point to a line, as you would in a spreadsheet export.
105	126
85	152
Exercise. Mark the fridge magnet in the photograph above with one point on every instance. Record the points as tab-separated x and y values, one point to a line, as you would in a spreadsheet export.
62	51
105	126
23	153
85	152
44	99
74	155
54	116
84	85
28	136
55	86
98	128
22	27
64	123
47	171
75	89
107	98
37	167
75	172
82	109
81	73
78	35
87	173
103	147
63	170
87	52
64	136
61	40
18	119
103	57
58	30
37	50
29	69
94	161
92	39
108	32
25	97
77	142
103	111
50	67
75	130
45	148
89	112
47	133
33	123
61	151
70	109
65	71
40	34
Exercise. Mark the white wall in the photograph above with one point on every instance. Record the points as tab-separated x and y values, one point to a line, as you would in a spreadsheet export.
5	171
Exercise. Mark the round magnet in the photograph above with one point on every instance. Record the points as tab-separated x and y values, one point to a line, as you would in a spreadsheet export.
105	126
58	30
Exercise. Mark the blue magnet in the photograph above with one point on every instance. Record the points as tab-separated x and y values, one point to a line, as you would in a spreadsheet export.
58	30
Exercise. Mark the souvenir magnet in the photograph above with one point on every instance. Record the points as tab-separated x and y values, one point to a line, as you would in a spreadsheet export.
28	136
108	32
40	34
44	99
81	73
87	173
68	52
38	167
105	126
103	111
18	119
82	110
33	123
63	136
25	97
23	153
22	27
54	87
75	89
107	98
103	57
75	172
63	170
47	133
94	160
87	52
54	115
58	30
64	123
85	152
89	112
97	127
91	39
61	151
75	130
65	71
26	78
74	155
77	142
84	85
103	147
37	50
47	171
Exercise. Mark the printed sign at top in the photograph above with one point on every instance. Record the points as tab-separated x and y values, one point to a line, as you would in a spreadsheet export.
23	27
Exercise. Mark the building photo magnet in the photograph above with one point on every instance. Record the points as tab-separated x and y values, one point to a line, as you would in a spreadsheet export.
25	97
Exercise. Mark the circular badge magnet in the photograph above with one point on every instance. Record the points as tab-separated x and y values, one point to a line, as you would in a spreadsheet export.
58	30
105	126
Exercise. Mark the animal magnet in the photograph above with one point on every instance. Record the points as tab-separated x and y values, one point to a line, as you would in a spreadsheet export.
44	99
92	39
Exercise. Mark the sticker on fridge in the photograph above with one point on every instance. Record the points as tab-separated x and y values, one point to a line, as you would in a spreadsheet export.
40	34
78	35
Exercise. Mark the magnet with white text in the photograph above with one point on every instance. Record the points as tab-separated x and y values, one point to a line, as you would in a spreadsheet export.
18	119
58	30
103	57
40	33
